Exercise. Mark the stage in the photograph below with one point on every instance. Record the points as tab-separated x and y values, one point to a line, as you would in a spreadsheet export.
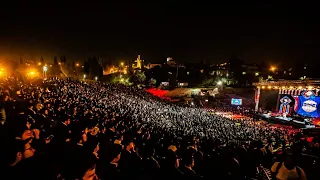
295	122
297	102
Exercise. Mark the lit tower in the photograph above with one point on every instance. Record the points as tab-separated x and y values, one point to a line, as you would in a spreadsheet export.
138	61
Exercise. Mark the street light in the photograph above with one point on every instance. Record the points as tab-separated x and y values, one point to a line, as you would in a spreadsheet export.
96	78
272	68
84	76
122	63
45	69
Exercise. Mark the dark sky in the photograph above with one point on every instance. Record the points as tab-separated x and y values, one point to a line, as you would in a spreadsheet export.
279	32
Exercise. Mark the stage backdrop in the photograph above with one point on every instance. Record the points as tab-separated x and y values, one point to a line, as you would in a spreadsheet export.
286	104
308	104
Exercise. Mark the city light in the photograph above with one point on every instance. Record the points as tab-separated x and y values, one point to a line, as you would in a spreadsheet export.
32	74
256	74
45	68
272	68
77	64
96	78
122	63
84	76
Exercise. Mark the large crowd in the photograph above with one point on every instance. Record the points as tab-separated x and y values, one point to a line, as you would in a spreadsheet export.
67	129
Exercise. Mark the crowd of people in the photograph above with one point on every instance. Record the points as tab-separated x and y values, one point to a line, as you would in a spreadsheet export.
68	129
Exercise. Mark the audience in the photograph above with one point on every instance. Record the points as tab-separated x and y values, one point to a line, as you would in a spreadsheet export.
65	129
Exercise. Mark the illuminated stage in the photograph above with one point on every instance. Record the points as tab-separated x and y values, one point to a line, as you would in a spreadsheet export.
298	101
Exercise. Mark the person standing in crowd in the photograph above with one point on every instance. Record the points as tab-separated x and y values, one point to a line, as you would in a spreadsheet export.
287	170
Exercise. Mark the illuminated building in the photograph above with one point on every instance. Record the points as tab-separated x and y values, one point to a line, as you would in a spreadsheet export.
138	63
170	61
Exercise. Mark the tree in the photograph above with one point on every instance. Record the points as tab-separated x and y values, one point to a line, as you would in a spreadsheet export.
63	59
208	82
55	60
41	60
141	77
152	82
138	78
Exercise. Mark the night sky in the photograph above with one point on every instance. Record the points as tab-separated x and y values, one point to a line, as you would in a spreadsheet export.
276	33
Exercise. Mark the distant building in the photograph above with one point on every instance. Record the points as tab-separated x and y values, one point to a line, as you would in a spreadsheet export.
170	61
252	69
182	84
150	66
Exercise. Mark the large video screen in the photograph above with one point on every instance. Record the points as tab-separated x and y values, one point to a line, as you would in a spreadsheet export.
308	104
237	102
